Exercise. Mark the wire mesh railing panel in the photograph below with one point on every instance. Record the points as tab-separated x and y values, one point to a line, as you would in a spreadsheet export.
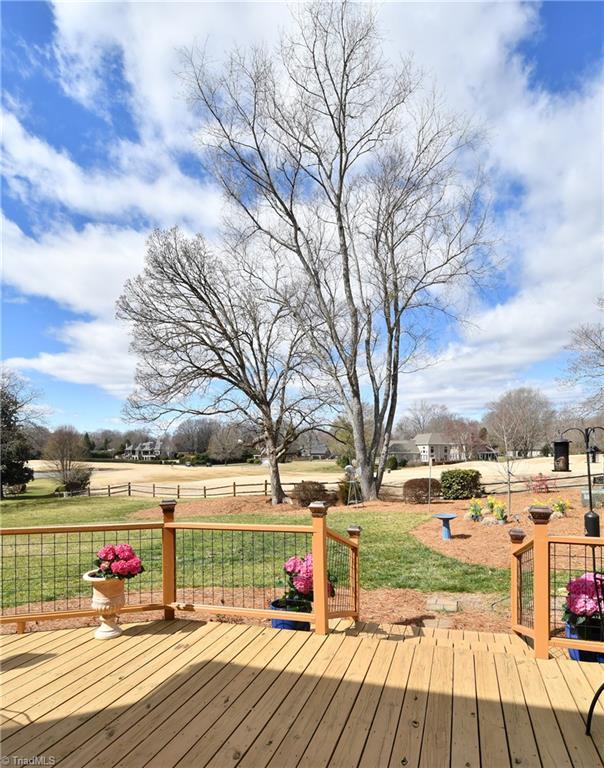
526	588
42	572
234	568
572	566
340	573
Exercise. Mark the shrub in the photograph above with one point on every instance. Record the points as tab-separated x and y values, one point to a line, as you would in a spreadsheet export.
308	491
343	461
460	483
417	490
391	462
402	462
345	491
77	479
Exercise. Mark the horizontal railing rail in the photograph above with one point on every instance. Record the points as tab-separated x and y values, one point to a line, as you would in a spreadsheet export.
233	569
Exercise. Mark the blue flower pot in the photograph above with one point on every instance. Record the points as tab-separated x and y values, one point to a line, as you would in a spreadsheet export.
301	626
589	633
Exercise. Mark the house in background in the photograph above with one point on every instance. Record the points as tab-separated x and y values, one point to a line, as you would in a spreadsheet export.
405	450
438	447
148	451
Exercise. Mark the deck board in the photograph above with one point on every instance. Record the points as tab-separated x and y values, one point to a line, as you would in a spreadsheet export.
366	696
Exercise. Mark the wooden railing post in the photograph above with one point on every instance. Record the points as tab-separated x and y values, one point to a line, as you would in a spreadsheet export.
168	541
541	598
318	510
517	536
354	532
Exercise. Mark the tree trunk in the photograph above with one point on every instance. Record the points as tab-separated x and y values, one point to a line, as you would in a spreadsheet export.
277	492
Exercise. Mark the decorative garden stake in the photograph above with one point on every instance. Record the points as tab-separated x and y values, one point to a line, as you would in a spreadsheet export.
114	564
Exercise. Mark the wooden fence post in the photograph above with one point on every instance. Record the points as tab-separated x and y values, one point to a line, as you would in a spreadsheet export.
234	489
204	492
354	532
517	536
153	490
129	489
266	487
178	491
541	598
168	543
108	490
318	510
89	489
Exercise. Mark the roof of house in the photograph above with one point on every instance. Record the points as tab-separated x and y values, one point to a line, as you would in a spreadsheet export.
431	438
402	446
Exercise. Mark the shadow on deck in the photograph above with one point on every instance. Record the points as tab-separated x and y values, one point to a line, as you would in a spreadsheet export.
196	694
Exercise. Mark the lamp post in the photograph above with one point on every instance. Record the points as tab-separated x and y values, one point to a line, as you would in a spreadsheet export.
591	518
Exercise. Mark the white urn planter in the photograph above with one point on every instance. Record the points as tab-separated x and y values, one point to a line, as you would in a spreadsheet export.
107	600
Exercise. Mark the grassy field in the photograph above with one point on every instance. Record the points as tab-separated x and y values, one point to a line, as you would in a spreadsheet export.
390	555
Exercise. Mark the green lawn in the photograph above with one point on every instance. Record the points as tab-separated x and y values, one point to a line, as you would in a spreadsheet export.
390	555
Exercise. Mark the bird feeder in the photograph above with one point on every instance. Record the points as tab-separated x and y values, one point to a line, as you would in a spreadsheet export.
561	455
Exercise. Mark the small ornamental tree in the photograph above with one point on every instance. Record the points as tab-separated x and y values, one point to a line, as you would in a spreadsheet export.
460	483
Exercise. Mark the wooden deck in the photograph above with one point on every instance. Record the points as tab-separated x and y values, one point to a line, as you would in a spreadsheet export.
195	694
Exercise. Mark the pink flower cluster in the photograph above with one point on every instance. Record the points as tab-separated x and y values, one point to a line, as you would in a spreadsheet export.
302	578
582	599
119	561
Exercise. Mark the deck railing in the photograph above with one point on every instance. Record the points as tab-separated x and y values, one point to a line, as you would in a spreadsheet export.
229	569
540	571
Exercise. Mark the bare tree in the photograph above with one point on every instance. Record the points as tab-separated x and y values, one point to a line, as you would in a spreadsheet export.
342	169
193	435
423	416
212	339
226	442
531	414
64	452
586	366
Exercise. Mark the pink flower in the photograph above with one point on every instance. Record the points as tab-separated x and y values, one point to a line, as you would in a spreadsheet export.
106	553
120	568
582	605
293	564
124	551
303	584
105	565
135	565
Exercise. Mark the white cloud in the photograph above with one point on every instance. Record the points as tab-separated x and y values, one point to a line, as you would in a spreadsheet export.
83	271
97	353
143	179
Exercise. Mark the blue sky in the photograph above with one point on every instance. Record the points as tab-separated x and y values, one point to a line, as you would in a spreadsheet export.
98	149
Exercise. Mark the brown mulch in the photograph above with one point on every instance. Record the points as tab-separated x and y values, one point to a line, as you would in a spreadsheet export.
490	545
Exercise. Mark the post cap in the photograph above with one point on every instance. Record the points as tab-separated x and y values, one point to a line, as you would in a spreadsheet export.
540	515
354	530
318	508
517	535
167	504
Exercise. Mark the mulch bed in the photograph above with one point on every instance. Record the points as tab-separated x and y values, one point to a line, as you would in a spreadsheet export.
490	545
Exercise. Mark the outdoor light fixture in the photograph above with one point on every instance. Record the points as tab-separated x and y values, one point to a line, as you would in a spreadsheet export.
591	518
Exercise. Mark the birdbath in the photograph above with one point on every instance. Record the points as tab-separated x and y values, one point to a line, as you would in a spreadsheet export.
445	518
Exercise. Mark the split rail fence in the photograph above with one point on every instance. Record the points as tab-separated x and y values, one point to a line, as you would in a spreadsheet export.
263	488
540	571
219	568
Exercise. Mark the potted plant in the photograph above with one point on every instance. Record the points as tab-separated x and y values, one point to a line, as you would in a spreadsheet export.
115	563
475	511
500	513
298	595
582	614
